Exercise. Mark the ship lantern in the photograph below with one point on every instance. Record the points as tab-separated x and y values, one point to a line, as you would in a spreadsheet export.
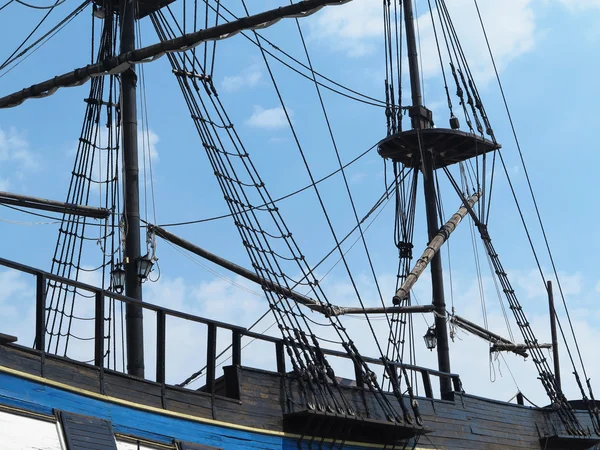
118	278
144	267
98	11
430	338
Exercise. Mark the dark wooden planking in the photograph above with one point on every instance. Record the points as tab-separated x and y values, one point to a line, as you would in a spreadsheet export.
467	422
14	358
132	389
7	339
191	446
72	374
86	433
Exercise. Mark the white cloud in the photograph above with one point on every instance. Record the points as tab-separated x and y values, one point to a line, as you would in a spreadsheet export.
510	27
530	282
356	29
358	177
268	118
15	157
353	28
581	4
147	144
14	147
249	77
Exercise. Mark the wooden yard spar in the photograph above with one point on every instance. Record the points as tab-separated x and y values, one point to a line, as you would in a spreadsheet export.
335	310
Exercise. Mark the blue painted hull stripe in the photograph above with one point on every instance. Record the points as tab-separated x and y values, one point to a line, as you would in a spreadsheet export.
40	397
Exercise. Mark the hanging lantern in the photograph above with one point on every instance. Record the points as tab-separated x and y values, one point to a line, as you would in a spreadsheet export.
117	278
98	11
144	267
430	338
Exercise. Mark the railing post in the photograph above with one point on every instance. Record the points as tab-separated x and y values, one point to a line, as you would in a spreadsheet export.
358	374
427	384
161	332
211	355
520	399
236	344
99	330
280	355
40	312
457	384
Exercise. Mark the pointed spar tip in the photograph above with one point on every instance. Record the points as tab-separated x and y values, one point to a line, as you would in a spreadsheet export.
26	201
500	344
120	63
433	247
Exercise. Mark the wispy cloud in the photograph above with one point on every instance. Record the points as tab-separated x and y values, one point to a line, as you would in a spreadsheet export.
14	147
358	177
249	77
581	4
357	30
354	28
147	142
268	118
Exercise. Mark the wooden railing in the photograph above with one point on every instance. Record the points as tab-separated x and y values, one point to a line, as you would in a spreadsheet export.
162	313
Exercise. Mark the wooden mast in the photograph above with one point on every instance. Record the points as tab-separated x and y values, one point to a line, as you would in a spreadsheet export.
131	196
421	119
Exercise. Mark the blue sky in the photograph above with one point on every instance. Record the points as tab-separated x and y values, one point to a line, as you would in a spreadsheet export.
546	53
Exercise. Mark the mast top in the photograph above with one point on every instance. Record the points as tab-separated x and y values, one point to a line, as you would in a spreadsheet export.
446	146
143	7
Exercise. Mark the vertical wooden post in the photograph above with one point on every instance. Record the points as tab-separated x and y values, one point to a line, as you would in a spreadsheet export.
280	354
360	382
554	336
236	344
132	253
211	356
520	399
40	312
457	384
161	336
99	330
427	384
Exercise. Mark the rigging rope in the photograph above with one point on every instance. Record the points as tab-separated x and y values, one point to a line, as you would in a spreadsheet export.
308	360
24	54
277	200
21	2
94	154
364	98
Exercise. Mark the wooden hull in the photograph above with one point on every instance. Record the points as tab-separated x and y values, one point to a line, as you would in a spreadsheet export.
159	415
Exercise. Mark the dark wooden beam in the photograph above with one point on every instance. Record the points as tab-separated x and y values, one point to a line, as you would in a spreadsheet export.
7	339
502	347
416	309
26	201
494	338
122	62
248	274
433	248
554	335
134	320
327	310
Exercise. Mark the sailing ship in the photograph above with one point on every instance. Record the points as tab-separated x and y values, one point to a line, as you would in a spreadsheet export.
97	367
